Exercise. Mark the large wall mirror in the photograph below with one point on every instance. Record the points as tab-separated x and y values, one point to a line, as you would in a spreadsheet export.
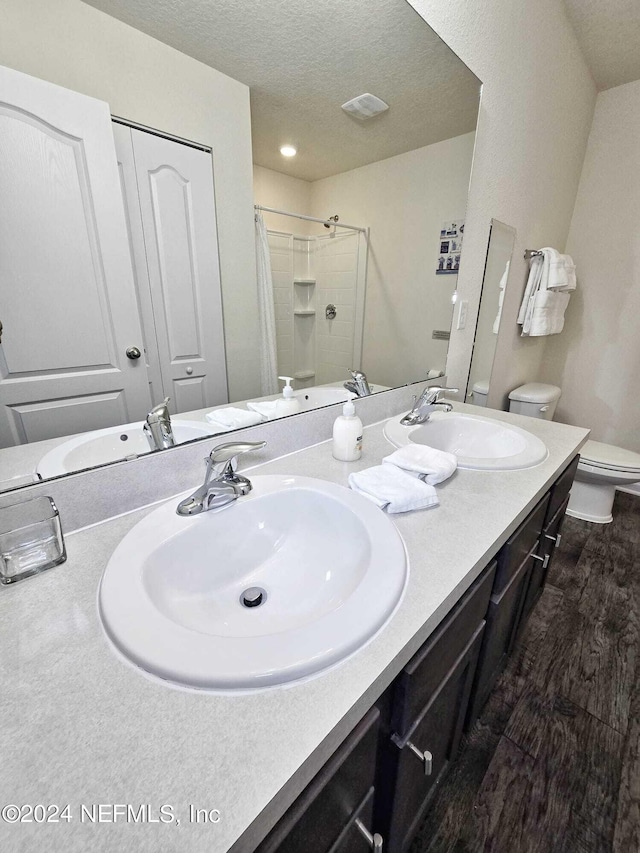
110	267
494	284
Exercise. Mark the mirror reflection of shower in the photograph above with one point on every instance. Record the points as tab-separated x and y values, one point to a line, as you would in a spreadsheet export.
331	219
310	271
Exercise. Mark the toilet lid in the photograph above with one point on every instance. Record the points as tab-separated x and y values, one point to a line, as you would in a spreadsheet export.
608	456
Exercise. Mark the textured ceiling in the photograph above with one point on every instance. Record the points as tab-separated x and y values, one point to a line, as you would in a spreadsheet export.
302	60
608	32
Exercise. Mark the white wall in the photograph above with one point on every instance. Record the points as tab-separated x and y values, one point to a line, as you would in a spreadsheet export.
596	359
537	103
74	45
275	189
404	200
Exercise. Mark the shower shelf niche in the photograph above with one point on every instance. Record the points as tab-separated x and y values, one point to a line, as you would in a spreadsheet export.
304	282
305	312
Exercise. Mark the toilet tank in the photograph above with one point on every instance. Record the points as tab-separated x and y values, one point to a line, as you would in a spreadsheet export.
480	392
535	399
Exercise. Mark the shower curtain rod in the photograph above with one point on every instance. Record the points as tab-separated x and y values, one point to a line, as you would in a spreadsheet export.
309	218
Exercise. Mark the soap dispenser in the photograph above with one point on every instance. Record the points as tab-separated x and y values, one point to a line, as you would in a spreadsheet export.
287	404
347	434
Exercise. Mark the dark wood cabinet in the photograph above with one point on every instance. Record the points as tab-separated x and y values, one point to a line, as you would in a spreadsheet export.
324	810
549	541
415	764
384	775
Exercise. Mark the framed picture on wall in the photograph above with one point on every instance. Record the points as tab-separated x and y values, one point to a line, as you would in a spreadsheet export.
451	234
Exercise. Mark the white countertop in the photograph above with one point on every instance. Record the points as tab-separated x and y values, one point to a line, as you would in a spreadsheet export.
80	727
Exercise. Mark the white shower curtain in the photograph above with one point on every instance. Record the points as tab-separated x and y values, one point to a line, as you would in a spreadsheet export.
266	310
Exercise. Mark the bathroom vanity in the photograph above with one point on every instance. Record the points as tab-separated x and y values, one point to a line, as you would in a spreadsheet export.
322	764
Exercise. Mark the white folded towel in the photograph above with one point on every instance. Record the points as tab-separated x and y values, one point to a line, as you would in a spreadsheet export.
570	270
501	287
547	314
232	418
266	409
393	489
431	465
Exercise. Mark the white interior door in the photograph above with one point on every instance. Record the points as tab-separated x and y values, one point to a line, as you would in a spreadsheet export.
67	300
177	205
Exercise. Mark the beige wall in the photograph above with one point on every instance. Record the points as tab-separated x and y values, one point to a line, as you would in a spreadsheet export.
537	103
596	359
274	189
74	45
403	200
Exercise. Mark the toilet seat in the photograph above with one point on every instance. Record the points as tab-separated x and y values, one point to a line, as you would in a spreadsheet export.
596	455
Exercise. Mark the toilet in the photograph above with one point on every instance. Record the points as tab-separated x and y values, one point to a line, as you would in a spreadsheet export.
480	392
602	467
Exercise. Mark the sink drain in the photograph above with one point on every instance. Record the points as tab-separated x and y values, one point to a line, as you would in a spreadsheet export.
253	597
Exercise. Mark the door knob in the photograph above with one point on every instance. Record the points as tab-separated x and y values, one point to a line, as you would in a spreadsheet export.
133	353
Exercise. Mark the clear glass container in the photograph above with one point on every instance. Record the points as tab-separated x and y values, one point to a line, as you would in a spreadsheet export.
30	539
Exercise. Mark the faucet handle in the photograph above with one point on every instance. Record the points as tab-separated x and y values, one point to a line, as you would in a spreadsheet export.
228	451
160	412
433	392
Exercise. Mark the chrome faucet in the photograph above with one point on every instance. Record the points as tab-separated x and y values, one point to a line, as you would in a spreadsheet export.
358	384
429	401
158	428
222	486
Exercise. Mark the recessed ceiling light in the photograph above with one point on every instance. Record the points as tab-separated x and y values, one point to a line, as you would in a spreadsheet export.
288	151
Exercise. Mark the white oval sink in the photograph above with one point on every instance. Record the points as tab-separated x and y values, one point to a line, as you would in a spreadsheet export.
110	445
331	565
480	443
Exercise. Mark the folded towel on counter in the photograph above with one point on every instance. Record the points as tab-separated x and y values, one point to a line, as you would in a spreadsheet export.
266	409
232	418
393	489
431	465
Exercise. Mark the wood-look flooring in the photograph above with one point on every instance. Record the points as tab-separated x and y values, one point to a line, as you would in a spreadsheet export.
553	763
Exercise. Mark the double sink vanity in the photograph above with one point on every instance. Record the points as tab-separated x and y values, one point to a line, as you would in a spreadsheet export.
294	671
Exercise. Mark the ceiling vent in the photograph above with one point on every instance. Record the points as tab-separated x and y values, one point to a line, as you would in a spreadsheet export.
365	106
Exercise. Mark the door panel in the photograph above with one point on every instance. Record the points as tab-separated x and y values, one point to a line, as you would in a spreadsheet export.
129	189
175	186
68	303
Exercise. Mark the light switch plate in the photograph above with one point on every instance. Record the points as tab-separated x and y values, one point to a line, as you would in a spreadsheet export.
462	314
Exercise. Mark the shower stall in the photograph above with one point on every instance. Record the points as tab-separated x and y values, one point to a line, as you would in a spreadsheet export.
319	285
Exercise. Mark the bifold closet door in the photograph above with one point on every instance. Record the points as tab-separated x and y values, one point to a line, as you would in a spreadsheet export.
177	208
67	298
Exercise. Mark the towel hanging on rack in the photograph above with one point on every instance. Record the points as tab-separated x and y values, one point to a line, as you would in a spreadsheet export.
546	296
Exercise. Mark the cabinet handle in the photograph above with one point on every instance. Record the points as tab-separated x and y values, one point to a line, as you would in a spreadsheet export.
555	539
544	560
425	757
374	841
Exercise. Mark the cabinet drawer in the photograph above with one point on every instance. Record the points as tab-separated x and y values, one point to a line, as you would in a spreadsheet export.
323	810
437	730
421	677
519	545
561	488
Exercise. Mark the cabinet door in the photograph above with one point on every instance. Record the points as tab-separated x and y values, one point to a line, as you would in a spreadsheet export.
317	819
437	731
503	623
546	549
357	836
424	673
